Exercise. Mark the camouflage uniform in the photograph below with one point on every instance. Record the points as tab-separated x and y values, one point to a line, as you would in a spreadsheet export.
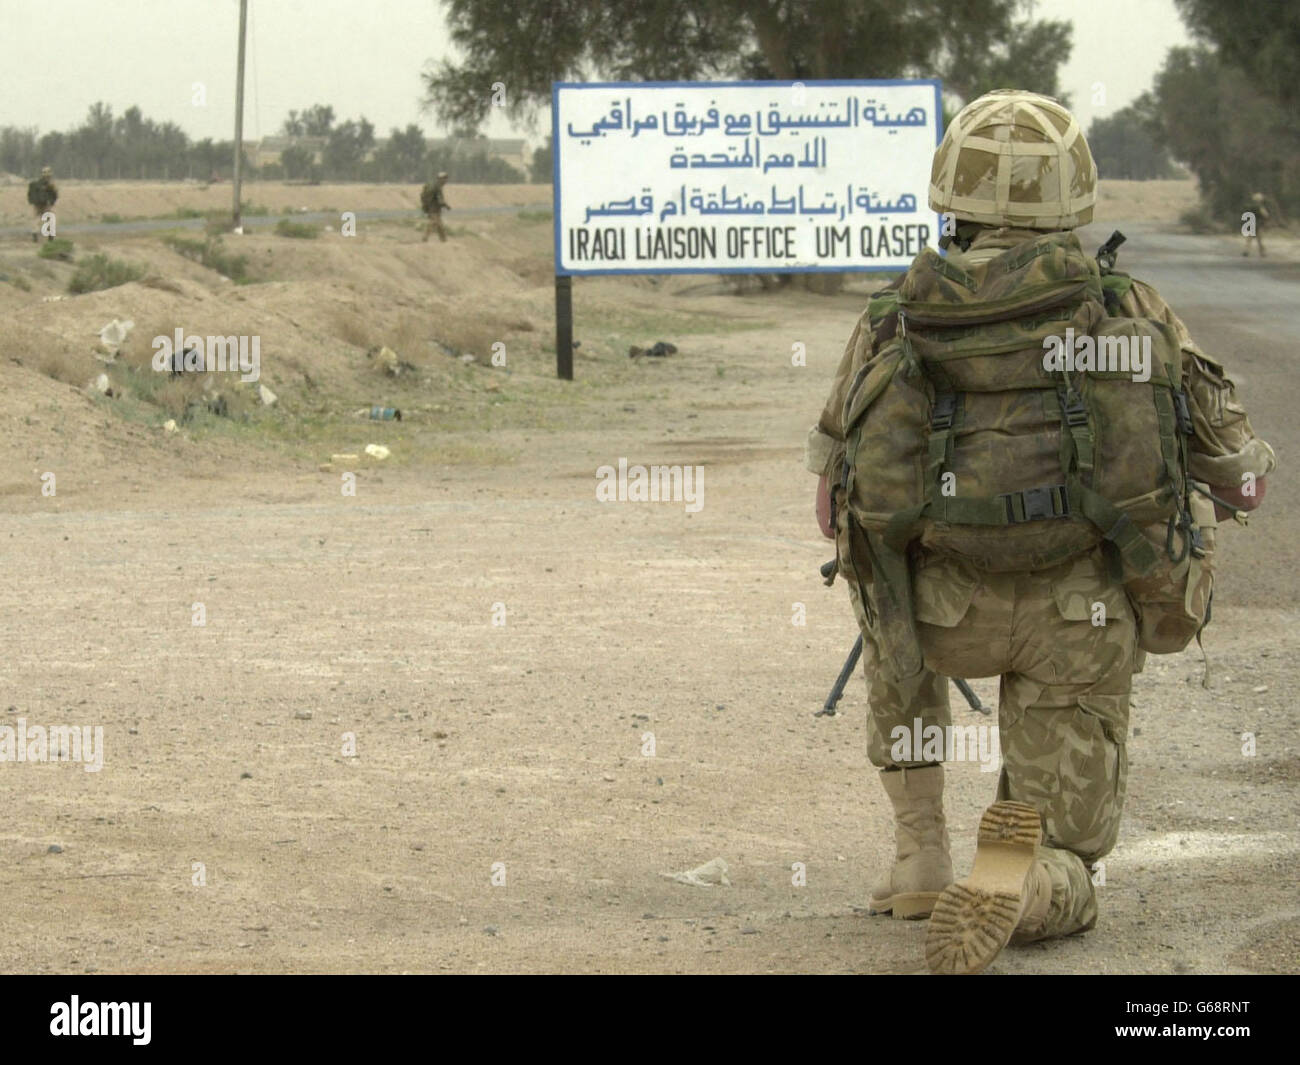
433	203
1258	211
42	194
1065	682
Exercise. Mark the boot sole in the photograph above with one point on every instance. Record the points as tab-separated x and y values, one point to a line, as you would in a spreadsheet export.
974	918
905	906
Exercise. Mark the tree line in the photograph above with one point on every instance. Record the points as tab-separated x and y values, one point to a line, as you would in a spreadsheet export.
130	146
1224	107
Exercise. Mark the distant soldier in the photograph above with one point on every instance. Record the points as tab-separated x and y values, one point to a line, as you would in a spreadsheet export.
433	203
42	194
1253	217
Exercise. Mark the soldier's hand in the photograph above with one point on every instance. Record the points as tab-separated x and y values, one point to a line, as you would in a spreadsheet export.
1235	495
824	507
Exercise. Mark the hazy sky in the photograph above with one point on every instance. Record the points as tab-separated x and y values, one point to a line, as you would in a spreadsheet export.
365	57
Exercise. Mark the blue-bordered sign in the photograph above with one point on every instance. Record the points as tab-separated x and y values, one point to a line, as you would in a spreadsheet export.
751	176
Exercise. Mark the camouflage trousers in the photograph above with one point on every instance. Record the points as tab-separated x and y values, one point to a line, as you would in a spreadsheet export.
433	224
1064	642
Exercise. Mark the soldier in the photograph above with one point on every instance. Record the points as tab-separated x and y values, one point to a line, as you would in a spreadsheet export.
1253	217
956	478
433	203
42	194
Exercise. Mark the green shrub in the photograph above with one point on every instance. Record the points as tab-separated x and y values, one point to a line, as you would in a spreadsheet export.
100	272
1200	219
296	230
111	218
58	248
212	254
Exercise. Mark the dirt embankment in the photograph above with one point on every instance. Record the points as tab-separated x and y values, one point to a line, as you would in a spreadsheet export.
90	201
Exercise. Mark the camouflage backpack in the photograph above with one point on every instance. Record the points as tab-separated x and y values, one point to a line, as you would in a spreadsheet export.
430	198
1011	421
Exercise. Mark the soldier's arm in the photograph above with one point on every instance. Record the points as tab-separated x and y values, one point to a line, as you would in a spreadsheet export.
828	433
1224	451
824	447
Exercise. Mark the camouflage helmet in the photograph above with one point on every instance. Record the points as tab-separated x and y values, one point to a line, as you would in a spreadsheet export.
1015	158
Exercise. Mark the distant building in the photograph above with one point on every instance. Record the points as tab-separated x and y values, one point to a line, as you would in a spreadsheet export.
512	151
269	149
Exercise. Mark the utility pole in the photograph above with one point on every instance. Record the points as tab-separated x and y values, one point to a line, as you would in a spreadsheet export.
239	115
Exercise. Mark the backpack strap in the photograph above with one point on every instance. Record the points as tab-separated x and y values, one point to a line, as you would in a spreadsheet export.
1114	287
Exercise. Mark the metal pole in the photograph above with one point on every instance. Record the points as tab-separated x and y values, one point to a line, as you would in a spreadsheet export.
564	327
239	115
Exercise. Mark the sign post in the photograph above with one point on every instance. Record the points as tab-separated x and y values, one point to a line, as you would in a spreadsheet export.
564	327
739	177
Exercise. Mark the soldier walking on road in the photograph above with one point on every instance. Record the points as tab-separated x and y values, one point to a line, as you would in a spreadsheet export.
1253	217
42	194
1003	507
433	203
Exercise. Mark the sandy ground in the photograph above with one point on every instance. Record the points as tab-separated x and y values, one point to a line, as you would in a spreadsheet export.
350	767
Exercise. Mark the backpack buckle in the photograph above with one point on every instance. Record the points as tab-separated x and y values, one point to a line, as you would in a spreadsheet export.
945	409
1076	414
1038	503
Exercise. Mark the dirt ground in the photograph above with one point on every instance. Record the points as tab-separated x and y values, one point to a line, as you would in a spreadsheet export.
468	718
89	201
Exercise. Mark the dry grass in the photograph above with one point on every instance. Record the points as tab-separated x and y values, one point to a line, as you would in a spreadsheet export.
177	393
470	333
410	339
182	396
351	328
72	368
138	350
28	346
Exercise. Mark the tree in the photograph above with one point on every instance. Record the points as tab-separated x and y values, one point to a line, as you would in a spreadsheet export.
1261	38
93	140
347	148
18	150
973	46
1228	106
402	156
298	162
1126	144
541	165
314	121
1235	140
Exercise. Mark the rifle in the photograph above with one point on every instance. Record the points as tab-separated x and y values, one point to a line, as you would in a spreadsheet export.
850	663
1109	252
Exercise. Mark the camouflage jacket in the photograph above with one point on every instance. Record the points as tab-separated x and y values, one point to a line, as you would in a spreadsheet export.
42	193
1223	448
432	199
